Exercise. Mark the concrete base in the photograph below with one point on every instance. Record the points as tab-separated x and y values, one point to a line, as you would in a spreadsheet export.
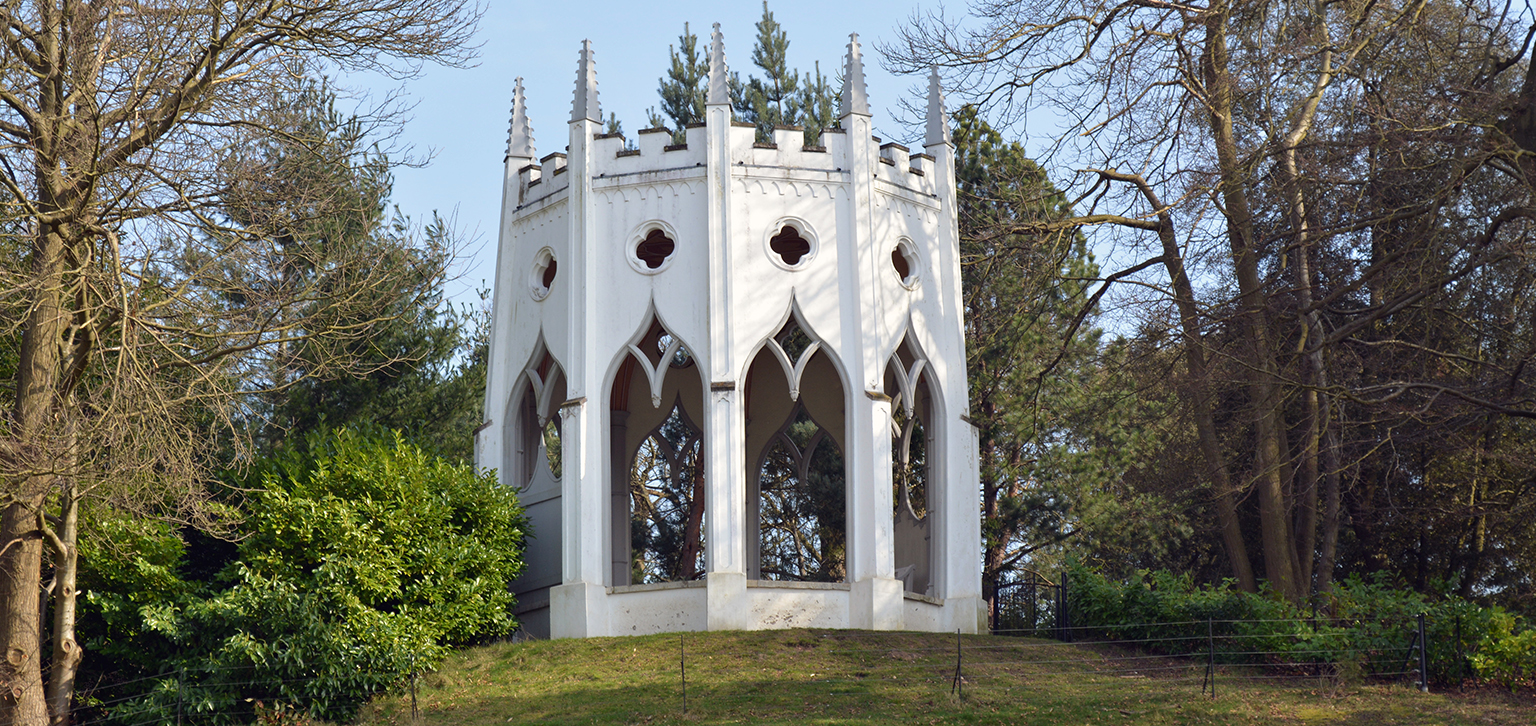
876	604
728	608
578	610
970	614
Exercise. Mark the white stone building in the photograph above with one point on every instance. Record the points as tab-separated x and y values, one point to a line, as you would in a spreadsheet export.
749	361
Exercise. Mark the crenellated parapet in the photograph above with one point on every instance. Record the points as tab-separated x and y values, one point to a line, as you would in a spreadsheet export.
655	156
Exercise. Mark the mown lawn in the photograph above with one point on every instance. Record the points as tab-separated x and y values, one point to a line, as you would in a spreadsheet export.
854	677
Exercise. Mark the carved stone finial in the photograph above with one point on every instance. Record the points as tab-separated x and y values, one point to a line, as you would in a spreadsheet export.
855	98
938	120
585	105
719	80
520	131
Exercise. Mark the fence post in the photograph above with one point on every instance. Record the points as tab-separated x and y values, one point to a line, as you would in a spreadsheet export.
415	714
1034	605
682	668
1423	657
958	686
1210	660
181	677
1317	663
1066	613
1461	659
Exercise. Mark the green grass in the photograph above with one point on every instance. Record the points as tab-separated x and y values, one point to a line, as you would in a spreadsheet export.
854	677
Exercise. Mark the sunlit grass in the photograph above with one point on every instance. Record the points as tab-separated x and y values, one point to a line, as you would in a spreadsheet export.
854	677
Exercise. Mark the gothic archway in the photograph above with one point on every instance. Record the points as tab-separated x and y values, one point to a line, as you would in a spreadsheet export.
533	440
666	502
797	489
913	470
657	501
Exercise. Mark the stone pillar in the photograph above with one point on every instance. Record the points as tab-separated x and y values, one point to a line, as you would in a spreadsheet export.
875	597
618	497
957	524
577	606
875	601
725	427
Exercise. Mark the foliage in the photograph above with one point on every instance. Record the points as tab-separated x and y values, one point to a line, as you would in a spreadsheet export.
684	90
772	100
416	363
1058	410
363	559
1329	254
1372	629
148	304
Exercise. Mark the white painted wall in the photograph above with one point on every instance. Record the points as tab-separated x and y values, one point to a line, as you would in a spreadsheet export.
724	293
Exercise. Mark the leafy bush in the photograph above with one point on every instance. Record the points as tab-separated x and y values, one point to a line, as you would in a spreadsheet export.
363	559
1372	628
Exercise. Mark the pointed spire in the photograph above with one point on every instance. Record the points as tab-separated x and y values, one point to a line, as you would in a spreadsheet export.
585	105
719	81
855	99
938	120
520	132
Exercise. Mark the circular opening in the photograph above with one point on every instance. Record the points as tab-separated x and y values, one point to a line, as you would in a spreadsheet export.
544	268
655	249
904	260
789	245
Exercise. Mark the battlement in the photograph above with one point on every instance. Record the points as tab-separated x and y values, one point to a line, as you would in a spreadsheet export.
654	154
614	156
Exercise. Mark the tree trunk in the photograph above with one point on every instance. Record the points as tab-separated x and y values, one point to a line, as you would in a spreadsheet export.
1205	423
22	701
66	650
1263	379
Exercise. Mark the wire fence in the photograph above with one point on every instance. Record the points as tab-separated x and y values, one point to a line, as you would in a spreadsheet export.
1201	657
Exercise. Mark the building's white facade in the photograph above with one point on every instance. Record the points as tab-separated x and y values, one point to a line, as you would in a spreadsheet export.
712	456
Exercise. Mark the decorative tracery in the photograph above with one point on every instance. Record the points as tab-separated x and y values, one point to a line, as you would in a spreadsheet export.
911	467
666	491
802	504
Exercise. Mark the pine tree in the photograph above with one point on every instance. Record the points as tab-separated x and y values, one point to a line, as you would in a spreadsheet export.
818	106
773	100
685	88
782	97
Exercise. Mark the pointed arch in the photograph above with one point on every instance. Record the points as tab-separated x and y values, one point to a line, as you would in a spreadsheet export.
794	361
666	501
653	336
532	443
914	463
656	485
797	403
802	504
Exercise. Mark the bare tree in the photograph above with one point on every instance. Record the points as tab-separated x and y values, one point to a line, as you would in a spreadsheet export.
1238	147
141	309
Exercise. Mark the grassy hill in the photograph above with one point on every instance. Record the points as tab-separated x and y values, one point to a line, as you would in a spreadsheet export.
855	677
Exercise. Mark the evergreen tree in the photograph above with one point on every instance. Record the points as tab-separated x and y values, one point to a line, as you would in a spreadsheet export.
782	97
1058	422
773	100
685	88
818	106
411	363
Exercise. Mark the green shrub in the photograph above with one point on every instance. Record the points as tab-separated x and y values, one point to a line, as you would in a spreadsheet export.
1372	628
363	559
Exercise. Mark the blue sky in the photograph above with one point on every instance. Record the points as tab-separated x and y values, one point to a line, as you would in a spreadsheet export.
460	116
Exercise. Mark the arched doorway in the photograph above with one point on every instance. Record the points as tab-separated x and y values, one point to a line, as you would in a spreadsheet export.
797	482
657	498
912	466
